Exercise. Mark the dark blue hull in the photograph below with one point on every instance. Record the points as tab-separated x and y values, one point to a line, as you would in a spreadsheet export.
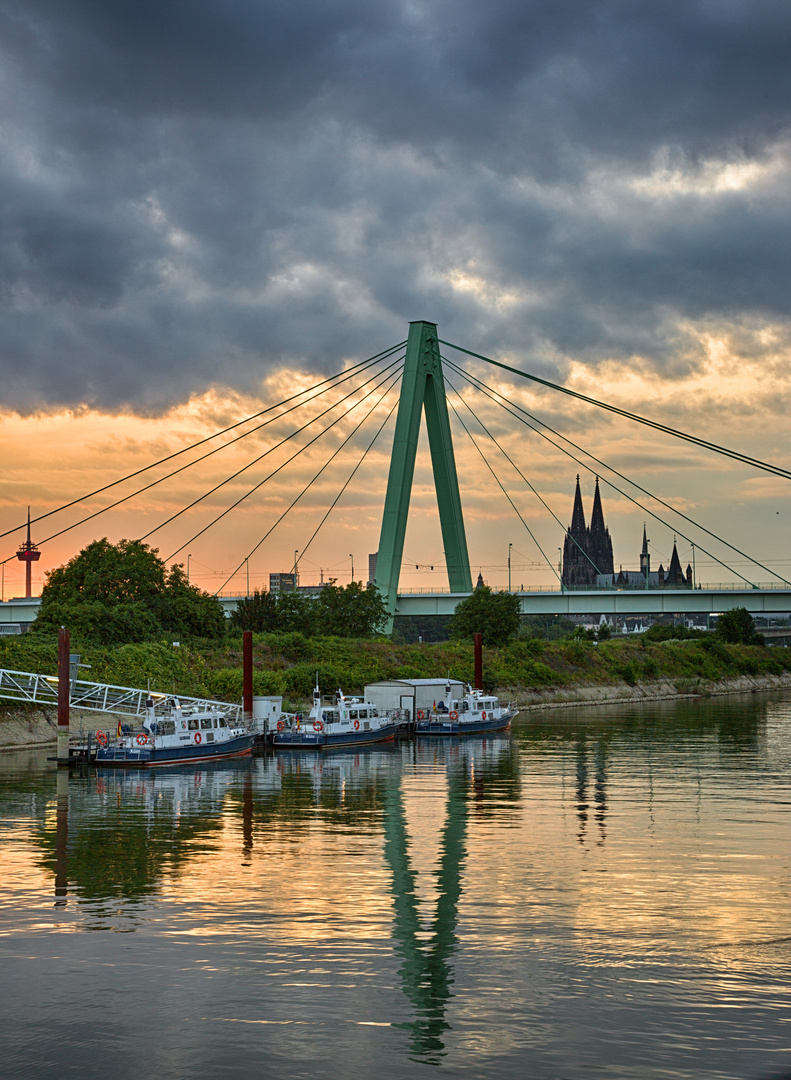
319	740
438	725
189	754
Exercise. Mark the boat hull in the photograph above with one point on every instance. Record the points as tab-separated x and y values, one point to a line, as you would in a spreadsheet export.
319	740
440	726
145	757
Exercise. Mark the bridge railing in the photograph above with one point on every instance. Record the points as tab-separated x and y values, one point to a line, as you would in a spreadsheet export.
710	586
94	697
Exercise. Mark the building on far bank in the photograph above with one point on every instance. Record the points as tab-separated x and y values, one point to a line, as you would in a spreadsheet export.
588	556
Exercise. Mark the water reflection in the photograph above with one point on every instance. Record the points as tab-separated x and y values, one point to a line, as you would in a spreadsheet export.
474	768
605	891
116	833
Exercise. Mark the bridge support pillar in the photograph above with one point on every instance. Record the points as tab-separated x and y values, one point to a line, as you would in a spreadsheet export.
422	389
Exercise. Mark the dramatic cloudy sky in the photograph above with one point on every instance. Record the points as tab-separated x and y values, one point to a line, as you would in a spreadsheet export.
204	200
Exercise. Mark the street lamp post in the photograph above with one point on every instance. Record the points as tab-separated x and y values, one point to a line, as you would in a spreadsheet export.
509	566
296	569
247	564
352	558
560	567
188	568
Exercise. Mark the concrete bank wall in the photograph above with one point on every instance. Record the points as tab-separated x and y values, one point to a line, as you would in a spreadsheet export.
620	693
22	728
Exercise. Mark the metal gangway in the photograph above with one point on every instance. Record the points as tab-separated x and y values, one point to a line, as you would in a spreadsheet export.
33	689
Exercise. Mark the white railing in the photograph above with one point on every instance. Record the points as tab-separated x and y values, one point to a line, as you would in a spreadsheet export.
95	697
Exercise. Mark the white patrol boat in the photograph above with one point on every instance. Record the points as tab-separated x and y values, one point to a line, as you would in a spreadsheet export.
472	714
334	724
174	736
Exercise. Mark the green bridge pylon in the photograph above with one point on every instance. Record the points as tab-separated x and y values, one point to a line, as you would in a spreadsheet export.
422	387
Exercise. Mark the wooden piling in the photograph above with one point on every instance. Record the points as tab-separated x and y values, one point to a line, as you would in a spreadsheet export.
247	675
64	690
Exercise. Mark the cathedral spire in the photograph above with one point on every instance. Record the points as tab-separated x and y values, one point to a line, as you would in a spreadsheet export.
645	542
578	514
597	517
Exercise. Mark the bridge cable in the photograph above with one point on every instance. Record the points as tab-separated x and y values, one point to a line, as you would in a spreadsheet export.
533	538
197	461
318	474
493	396
279	468
491	393
546	506
351	477
282	442
361	365
745	459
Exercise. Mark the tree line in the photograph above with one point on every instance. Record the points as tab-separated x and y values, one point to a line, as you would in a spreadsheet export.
121	593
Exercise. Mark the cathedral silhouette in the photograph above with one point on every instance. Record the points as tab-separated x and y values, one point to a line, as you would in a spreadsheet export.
588	560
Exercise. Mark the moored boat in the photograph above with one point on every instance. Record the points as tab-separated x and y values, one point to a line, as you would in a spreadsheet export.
470	714
334	724
174	736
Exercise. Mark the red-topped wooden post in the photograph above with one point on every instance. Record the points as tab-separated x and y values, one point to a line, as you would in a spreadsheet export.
64	689
247	675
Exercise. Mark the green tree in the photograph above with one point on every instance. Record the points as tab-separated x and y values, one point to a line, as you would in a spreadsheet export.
495	615
116	593
350	611
257	612
737	626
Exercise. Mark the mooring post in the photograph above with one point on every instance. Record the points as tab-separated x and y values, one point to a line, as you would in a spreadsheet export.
61	837
64	688
247	676
479	662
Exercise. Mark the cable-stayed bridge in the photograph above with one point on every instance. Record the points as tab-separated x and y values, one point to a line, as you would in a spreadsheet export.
410	380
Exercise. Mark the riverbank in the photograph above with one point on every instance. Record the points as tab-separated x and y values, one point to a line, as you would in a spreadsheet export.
26	727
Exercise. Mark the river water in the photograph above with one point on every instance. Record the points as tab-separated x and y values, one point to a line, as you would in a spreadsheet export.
604	892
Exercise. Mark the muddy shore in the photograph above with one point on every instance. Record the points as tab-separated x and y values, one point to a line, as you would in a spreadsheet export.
27	727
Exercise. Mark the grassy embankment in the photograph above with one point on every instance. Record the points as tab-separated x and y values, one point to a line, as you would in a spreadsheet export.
286	664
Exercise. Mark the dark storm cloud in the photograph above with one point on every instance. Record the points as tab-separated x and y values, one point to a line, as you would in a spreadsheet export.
192	192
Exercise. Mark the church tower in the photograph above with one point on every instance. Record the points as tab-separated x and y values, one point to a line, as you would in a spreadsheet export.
645	558
587	552
599	536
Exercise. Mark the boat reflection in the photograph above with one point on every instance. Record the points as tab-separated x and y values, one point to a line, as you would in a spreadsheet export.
117	833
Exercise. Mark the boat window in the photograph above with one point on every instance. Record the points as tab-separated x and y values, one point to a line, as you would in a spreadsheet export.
363	714
352	714
221	723
193	725
330	716
206	724
167	727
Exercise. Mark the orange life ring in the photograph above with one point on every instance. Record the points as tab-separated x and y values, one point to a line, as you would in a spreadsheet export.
420	714
101	738
198	738
281	726
453	714
142	739
356	725
317	725
483	714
